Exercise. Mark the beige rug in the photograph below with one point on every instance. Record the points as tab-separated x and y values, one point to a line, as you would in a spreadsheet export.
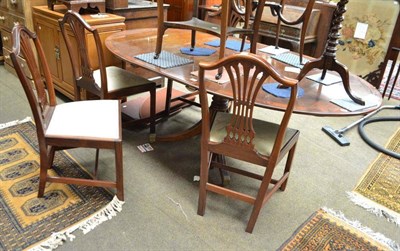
378	190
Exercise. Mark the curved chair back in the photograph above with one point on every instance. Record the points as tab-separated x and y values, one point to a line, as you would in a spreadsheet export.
247	73
39	90
77	45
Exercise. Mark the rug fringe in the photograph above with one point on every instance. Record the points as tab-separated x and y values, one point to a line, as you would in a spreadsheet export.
373	208
356	224
57	239
15	122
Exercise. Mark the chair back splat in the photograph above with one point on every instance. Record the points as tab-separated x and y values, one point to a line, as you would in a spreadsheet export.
240	136
90	124
93	75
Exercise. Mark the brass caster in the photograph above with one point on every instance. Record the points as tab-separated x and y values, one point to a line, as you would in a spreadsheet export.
152	137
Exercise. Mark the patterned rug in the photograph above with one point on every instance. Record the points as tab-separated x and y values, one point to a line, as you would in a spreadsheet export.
378	190
329	230
29	222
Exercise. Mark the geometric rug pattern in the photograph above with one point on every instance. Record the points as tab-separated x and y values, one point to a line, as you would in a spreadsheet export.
25	219
378	190
328	230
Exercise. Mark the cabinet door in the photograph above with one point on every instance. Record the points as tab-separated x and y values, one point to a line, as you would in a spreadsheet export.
68	81
49	39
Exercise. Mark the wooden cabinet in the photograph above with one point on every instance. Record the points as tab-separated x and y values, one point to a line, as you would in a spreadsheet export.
47	28
12	12
179	10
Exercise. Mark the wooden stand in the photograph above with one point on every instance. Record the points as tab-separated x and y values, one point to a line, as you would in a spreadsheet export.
328	60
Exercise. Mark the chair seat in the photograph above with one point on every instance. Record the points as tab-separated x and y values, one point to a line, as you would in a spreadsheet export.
86	120
264	139
204	26
119	79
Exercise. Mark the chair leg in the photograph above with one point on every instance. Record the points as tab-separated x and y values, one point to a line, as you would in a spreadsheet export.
259	202
152	136
168	97
45	164
288	166
96	165
193	40
395	81
388	79
119	171
160	34
204	168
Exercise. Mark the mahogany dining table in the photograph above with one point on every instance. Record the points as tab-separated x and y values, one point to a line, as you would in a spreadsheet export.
127	44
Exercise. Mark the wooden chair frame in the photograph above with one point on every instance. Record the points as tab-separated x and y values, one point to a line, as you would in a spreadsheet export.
247	73
41	96
222	31
108	88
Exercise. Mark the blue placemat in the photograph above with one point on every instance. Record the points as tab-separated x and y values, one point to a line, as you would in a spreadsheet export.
230	44
198	51
165	60
290	59
273	89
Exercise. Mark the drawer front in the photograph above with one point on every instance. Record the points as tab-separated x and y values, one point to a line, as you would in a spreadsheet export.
7	58
16	5
3	18
3	3
13	19
24	65
6	39
269	29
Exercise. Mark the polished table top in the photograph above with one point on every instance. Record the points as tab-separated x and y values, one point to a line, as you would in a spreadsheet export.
316	100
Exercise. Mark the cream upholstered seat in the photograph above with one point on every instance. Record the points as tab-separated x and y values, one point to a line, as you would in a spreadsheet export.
95	120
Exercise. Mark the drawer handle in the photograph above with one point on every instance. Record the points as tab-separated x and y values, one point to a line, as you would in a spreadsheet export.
14	2
16	23
7	57
5	39
2	18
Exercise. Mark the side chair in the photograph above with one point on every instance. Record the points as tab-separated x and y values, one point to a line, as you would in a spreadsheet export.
394	76
222	30
238	135
106	82
89	124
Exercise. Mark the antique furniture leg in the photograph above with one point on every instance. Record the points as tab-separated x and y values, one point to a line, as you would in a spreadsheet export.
328	60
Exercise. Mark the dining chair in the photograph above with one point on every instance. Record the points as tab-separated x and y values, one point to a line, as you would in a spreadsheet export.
239	135
222	30
303	19
89	124
392	79
106	82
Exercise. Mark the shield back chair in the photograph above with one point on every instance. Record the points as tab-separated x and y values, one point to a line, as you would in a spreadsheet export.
238	135
237	15
90	124
278	10
394	76
222	30
106	82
